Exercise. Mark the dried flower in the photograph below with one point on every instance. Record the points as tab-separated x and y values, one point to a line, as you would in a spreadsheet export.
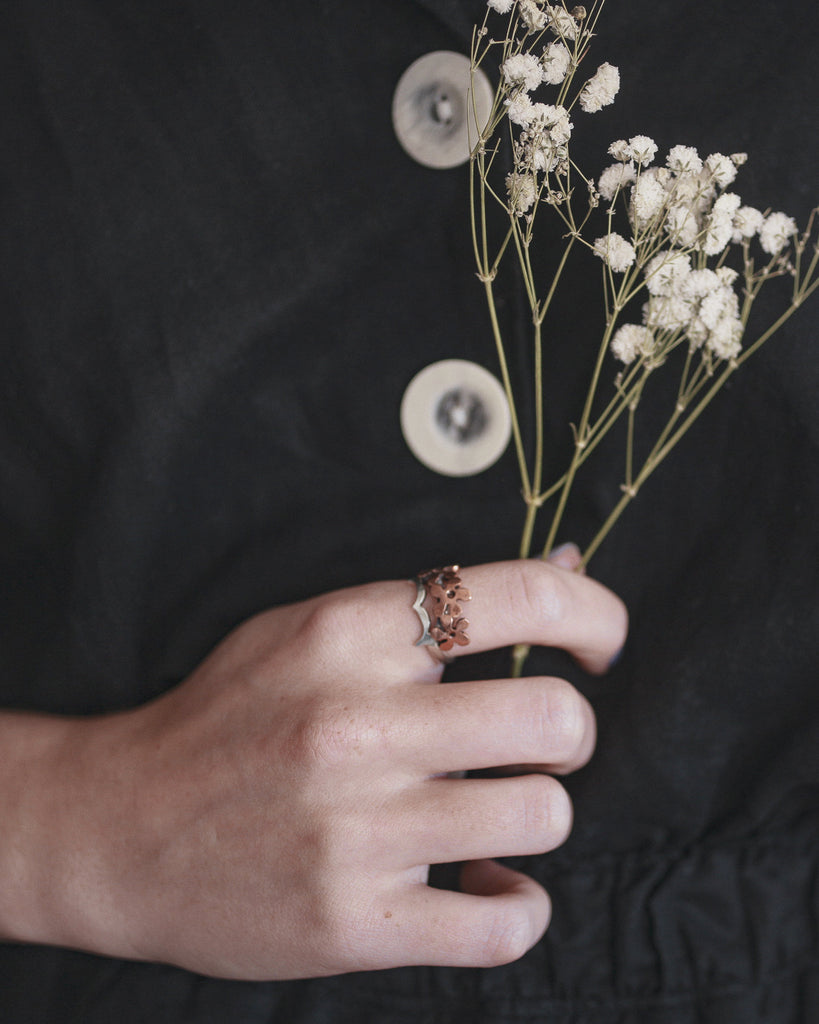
726	275
630	341
600	89
699	283
555	63
522	69
519	109
685	232
682	225
551	119
718	228
726	205
747	222
665	272
725	340
641	149
715	236
667	312
615	251
684	159
718	304
722	169
776	229
614	178
620	150
522	192
647	200
561	22
532	16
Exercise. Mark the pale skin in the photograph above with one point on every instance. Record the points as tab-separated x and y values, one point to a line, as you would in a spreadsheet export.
275	815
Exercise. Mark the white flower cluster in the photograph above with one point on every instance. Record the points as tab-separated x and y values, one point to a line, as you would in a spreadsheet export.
525	71
631	341
540	149
537	14
555	63
686	197
544	129
700	304
561	22
775	231
616	251
600	89
684	204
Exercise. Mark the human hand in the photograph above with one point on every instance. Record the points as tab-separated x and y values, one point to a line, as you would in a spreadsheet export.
275	815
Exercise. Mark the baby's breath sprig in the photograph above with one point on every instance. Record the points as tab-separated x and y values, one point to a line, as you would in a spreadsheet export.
687	249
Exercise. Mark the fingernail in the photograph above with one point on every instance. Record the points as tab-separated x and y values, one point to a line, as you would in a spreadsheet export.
566	555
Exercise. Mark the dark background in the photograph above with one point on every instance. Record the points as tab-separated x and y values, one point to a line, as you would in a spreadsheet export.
218	273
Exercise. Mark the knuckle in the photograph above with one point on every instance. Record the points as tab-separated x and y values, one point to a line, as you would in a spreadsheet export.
337	929
319	736
546	811
534	813
336	924
545	594
330	623
341	627
563	718
560	813
330	734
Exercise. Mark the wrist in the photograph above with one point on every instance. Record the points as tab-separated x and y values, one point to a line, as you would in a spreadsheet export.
60	795
30	784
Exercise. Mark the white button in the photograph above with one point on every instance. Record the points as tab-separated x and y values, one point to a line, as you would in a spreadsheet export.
434	118
455	417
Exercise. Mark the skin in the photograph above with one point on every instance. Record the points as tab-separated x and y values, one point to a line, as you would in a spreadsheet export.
275	815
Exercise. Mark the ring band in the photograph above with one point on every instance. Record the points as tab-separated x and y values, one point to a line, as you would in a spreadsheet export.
438	599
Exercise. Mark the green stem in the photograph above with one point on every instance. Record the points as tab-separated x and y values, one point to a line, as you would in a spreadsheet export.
525	548
630	444
538	466
665	444
541	314
581	438
507	386
598	430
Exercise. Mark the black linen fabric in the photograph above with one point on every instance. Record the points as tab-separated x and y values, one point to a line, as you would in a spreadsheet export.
218	273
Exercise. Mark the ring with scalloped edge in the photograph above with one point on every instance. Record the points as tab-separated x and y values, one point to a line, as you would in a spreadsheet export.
439	597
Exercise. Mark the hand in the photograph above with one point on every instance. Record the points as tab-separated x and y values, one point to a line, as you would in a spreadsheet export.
275	815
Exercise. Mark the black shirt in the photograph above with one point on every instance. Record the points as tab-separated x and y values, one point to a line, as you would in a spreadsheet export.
218	273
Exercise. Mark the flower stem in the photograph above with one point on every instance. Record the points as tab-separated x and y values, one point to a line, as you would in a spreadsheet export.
669	437
507	386
581	439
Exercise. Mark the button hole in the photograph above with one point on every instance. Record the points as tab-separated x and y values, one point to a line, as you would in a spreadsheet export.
442	110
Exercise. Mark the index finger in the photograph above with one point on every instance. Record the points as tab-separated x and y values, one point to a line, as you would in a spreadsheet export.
534	602
517	602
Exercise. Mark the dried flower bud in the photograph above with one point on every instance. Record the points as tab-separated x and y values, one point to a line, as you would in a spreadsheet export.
615	251
578	13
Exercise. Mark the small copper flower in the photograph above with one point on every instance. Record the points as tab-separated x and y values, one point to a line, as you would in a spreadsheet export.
445	596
